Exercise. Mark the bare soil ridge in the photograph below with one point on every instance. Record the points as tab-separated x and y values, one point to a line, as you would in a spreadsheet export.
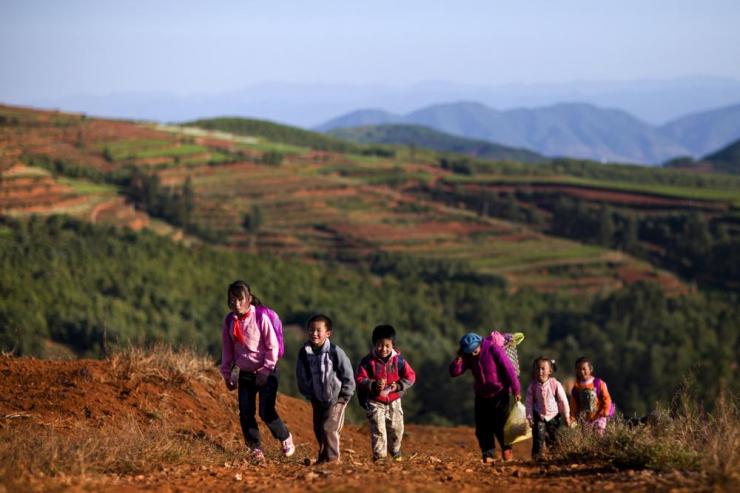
65	401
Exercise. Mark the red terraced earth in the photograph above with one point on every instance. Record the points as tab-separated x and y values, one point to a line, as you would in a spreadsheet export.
315	204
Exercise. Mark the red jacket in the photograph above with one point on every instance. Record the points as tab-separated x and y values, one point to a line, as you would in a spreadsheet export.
395	370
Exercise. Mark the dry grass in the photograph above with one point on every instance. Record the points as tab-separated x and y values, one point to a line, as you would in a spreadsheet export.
126	448
126	444
162	362
685	438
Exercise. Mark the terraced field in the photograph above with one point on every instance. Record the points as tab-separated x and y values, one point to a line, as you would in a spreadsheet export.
648	196
317	205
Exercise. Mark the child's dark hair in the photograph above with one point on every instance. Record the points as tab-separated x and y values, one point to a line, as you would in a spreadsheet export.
553	364
239	289
320	317
582	360
384	332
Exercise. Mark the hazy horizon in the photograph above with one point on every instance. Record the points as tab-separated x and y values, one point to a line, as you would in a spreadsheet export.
186	47
75	54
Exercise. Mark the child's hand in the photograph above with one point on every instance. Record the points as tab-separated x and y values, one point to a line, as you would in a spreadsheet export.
531	423
378	385
518	397
375	386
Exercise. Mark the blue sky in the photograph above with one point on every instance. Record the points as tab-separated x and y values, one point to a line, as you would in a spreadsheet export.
58	48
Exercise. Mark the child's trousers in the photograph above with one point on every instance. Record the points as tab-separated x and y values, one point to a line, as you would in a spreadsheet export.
491	414
327	424
544	432
386	427
248	391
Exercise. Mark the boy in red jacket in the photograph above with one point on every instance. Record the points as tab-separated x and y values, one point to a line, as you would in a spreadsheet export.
382	378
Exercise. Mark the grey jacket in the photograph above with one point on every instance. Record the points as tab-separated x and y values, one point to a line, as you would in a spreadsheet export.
325	375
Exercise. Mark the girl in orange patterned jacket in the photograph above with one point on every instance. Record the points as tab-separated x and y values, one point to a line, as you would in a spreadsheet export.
590	401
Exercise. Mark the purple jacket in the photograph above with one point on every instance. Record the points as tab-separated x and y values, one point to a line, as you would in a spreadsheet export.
492	370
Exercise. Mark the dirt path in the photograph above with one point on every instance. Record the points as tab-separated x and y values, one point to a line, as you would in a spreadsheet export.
70	398
437	459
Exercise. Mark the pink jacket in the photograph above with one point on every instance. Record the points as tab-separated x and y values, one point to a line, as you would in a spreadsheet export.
548	399
259	355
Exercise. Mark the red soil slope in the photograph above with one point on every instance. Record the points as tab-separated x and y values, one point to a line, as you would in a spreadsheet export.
38	395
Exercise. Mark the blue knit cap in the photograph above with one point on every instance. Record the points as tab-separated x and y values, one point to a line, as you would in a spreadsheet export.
470	342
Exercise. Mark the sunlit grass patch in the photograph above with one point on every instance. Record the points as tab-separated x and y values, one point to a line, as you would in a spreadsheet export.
125	149
83	187
163	362
682	438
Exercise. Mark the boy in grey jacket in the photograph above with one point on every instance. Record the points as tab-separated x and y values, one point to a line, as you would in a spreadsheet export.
324	375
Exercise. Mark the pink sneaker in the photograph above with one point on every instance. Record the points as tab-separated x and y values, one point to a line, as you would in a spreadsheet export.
288	447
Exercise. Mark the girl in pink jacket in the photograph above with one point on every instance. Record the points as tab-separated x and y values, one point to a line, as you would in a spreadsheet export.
250	343
546	404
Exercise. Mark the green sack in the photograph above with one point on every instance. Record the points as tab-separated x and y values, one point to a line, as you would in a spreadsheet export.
517	428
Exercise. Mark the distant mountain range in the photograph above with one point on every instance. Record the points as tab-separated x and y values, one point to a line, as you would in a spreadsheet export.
577	130
706	131
419	136
655	101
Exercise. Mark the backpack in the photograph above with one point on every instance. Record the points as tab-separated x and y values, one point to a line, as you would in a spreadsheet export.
277	325
597	394
508	342
597	388
363	394
260	312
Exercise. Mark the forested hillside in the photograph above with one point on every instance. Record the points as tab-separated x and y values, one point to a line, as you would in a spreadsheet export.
72	287
417	136
726	160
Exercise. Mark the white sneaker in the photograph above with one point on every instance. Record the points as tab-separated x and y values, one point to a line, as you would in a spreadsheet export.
288	447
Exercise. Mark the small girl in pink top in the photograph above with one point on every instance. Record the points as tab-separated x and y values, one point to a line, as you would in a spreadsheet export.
546	404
